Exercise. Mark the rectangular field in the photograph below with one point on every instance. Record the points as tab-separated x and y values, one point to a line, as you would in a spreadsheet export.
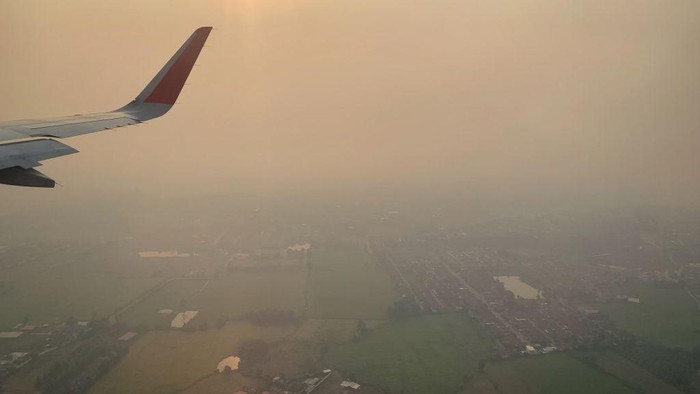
231	295
666	315
633	374
82	282
344	282
171	361
552	373
428	354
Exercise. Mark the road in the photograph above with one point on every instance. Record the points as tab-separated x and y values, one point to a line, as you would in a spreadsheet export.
481	298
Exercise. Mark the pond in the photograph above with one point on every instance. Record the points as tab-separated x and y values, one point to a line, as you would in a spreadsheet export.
519	288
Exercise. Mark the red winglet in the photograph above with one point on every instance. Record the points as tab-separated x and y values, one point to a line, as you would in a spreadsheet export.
171	83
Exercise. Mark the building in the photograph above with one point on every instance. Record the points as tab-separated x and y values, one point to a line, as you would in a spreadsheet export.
349	384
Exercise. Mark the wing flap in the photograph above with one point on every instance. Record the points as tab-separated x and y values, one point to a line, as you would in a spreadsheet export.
28	154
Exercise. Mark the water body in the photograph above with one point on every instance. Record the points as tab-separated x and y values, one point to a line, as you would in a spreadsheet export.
519	288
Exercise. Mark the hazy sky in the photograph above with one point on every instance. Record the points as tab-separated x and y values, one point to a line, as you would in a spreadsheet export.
499	95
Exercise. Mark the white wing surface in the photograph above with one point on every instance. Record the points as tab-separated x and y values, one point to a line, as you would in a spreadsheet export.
32	139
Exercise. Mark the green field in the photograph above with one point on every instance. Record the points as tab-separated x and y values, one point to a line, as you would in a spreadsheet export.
326	331
171	361
47	293
231	295
666	315
634	375
345	283
428	354
553	373
173	295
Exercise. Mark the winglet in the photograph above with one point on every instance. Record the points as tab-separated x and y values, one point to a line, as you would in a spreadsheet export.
165	87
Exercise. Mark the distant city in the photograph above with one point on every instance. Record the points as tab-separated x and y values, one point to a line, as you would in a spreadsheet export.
295	297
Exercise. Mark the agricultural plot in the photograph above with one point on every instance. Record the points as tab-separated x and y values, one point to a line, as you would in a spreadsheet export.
665	315
75	283
428	354
174	295
632	374
220	383
345	283
242	292
232	295
171	361
321	331
553	373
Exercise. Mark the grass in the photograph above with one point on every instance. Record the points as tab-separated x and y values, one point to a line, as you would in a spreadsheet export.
171	361
220	383
666	315
46	293
326	331
428	354
345	283
553	373
634	375
231	295
174	295
249	291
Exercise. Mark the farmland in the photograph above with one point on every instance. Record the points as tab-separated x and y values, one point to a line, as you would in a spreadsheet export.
168	361
346	283
91	282
553	373
230	295
635	376
666	315
419	355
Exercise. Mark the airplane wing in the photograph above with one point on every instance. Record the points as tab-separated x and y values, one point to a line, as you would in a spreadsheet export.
32	140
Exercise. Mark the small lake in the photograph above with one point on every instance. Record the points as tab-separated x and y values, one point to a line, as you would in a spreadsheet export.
518	287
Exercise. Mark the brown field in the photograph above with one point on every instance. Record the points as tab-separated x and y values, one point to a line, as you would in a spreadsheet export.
171	361
219	383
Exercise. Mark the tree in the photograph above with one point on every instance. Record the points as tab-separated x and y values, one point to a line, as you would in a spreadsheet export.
361	327
403	308
221	321
38	382
251	352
